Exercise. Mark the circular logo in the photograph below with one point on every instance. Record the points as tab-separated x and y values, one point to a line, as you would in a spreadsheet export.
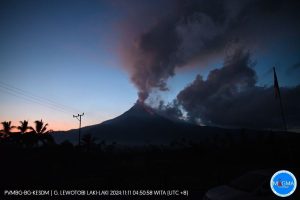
283	183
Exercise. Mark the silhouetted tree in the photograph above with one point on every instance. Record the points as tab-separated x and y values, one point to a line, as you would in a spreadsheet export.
101	145
88	141
30	139
42	133
40	128
7	127
23	128
111	147
66	145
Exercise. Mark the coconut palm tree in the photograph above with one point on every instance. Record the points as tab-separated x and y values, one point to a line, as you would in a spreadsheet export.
7	127
23	139
43	135
23	128
40	128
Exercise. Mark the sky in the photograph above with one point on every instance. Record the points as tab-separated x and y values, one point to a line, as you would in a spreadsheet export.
59	58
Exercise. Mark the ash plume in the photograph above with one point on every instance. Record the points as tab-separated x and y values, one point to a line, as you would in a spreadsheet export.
180	33
171	110
229	97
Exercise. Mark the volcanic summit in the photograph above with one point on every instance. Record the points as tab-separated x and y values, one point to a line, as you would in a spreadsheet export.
141	124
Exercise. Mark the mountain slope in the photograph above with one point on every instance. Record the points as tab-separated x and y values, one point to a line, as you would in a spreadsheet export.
140	125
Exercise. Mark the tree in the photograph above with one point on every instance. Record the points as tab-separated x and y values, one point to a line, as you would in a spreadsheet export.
40	128
88	141
23	128
24	140
42	134
7	127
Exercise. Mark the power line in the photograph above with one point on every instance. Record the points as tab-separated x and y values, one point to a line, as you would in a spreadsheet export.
36	99
33	100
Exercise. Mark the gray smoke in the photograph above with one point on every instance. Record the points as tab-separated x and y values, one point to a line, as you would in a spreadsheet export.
194	31
230	98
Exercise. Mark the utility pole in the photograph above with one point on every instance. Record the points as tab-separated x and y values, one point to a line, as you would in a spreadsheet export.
78	116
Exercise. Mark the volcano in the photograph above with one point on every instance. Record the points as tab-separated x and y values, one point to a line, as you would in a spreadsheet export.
139	115
141	124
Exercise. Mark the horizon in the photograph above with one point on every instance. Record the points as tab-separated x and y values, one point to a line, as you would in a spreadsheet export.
59	59
157	112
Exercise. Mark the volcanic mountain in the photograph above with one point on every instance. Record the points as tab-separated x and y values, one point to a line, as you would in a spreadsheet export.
141	124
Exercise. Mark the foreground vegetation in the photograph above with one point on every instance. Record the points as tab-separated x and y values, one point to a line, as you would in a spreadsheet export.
32	159
25	136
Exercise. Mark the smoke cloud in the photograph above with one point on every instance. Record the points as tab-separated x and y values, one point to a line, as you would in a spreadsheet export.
171	110
194	31
230	98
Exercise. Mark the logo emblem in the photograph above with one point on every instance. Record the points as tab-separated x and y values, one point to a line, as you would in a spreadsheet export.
283	183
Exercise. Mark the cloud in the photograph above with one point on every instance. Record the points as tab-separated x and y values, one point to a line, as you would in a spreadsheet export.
296	66
183	32
230	98
171	110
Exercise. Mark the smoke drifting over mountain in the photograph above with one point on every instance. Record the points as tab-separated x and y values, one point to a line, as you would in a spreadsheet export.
194	32
198	30
229	97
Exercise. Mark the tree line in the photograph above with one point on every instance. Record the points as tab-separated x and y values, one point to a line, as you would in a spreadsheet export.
26	135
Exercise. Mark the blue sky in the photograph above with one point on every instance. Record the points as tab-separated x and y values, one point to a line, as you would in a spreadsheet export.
62	52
